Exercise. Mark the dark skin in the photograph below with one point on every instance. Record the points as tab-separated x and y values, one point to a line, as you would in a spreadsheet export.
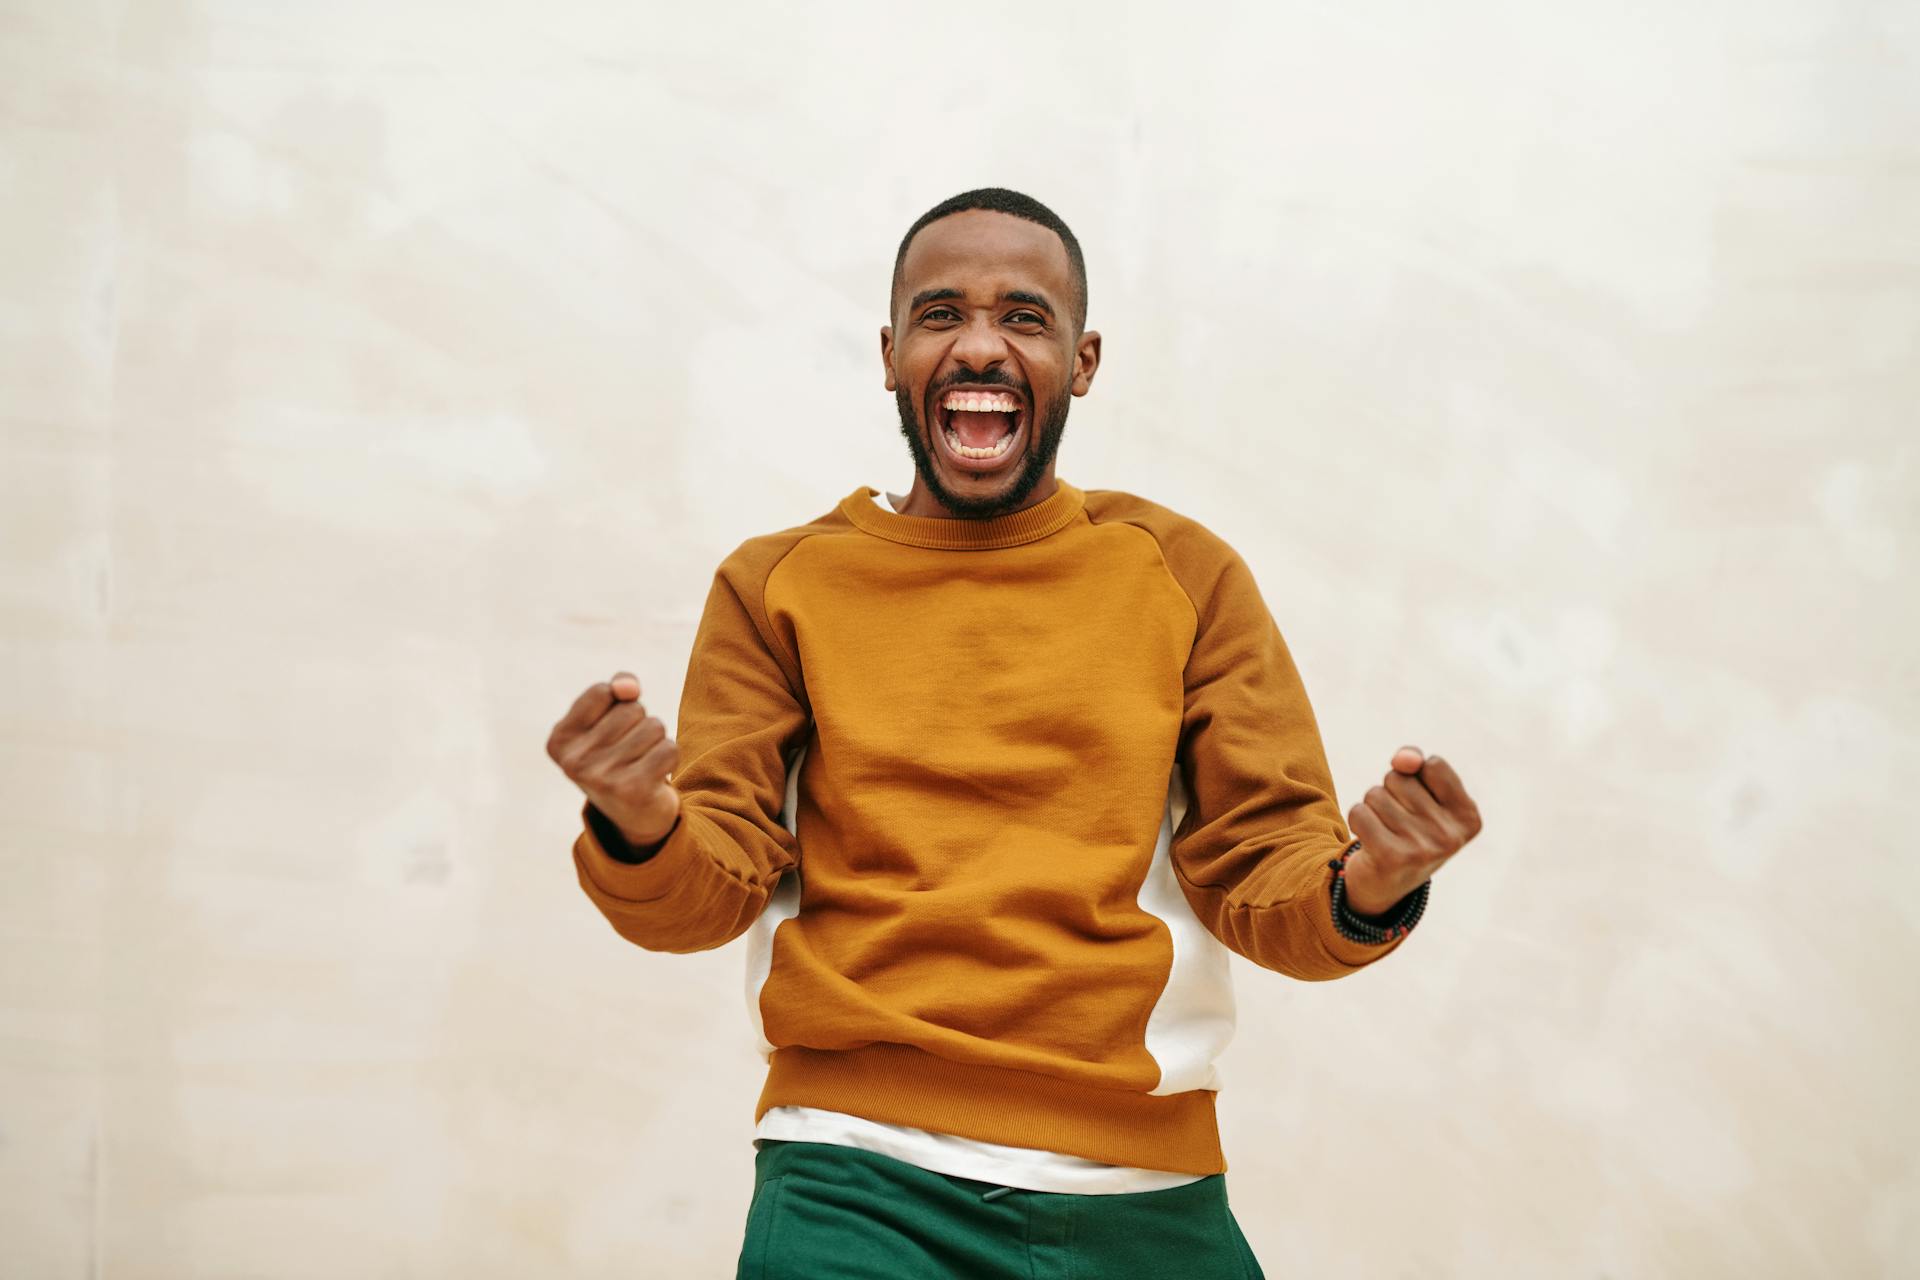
985	296
1408	827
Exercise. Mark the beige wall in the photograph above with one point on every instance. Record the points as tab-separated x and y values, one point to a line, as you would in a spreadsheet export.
376	376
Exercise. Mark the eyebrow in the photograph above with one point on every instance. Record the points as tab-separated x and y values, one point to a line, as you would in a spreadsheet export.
948	295
1031	299
933	295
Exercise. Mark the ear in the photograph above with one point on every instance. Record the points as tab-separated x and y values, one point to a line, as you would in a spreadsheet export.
886	352
1086	359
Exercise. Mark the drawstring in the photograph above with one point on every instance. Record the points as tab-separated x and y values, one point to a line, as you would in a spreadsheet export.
997	1192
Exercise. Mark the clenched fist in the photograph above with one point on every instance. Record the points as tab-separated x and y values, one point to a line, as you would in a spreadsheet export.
621	757
1417	818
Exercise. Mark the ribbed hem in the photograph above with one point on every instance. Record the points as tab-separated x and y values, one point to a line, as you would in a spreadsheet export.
1058	510
899	1084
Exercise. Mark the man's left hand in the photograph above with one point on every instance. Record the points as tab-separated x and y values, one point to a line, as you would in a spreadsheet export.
1408	827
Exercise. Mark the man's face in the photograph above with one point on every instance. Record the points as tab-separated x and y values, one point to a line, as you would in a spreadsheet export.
983	356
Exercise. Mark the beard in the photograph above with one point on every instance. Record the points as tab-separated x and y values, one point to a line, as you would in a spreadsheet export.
1043	441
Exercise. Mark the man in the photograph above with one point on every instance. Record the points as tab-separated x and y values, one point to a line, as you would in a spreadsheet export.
995	772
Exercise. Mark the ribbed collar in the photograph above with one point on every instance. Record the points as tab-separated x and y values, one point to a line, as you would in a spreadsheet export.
1042	518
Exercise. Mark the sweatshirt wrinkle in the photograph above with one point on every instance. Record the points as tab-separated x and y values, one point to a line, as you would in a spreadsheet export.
999	775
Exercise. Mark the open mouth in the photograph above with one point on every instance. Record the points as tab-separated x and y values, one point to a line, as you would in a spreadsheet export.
980	426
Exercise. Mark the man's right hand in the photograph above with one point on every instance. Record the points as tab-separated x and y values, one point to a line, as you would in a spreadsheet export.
620	757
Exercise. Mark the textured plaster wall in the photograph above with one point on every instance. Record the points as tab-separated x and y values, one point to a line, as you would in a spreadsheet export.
373	377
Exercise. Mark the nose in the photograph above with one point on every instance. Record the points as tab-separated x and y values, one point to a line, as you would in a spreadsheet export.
980	345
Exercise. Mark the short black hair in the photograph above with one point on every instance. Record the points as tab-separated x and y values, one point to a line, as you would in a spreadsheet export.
1001	200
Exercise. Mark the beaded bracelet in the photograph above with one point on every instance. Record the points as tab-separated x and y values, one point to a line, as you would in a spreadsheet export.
1404	915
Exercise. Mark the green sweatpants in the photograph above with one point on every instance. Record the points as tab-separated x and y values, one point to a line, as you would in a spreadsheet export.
827	1212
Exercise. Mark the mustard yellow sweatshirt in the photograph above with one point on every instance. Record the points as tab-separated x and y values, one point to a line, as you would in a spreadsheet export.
993	798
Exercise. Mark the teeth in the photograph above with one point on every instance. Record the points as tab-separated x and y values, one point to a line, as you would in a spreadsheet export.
999	447
976	402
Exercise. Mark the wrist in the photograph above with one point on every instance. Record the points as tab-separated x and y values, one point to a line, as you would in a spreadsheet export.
651	842
619	845
1369	893
649	833
1374	927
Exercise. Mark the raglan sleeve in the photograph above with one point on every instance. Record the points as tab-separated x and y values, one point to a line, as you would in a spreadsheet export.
1256	849
743	713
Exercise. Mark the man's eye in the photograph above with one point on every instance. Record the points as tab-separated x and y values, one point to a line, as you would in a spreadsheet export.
941	313
1024	317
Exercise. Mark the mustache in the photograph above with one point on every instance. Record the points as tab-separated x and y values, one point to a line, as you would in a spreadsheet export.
988	378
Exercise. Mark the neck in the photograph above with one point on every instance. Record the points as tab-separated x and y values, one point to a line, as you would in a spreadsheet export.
921	502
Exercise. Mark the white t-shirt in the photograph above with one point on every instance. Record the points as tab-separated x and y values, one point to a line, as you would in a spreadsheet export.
1027	1167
